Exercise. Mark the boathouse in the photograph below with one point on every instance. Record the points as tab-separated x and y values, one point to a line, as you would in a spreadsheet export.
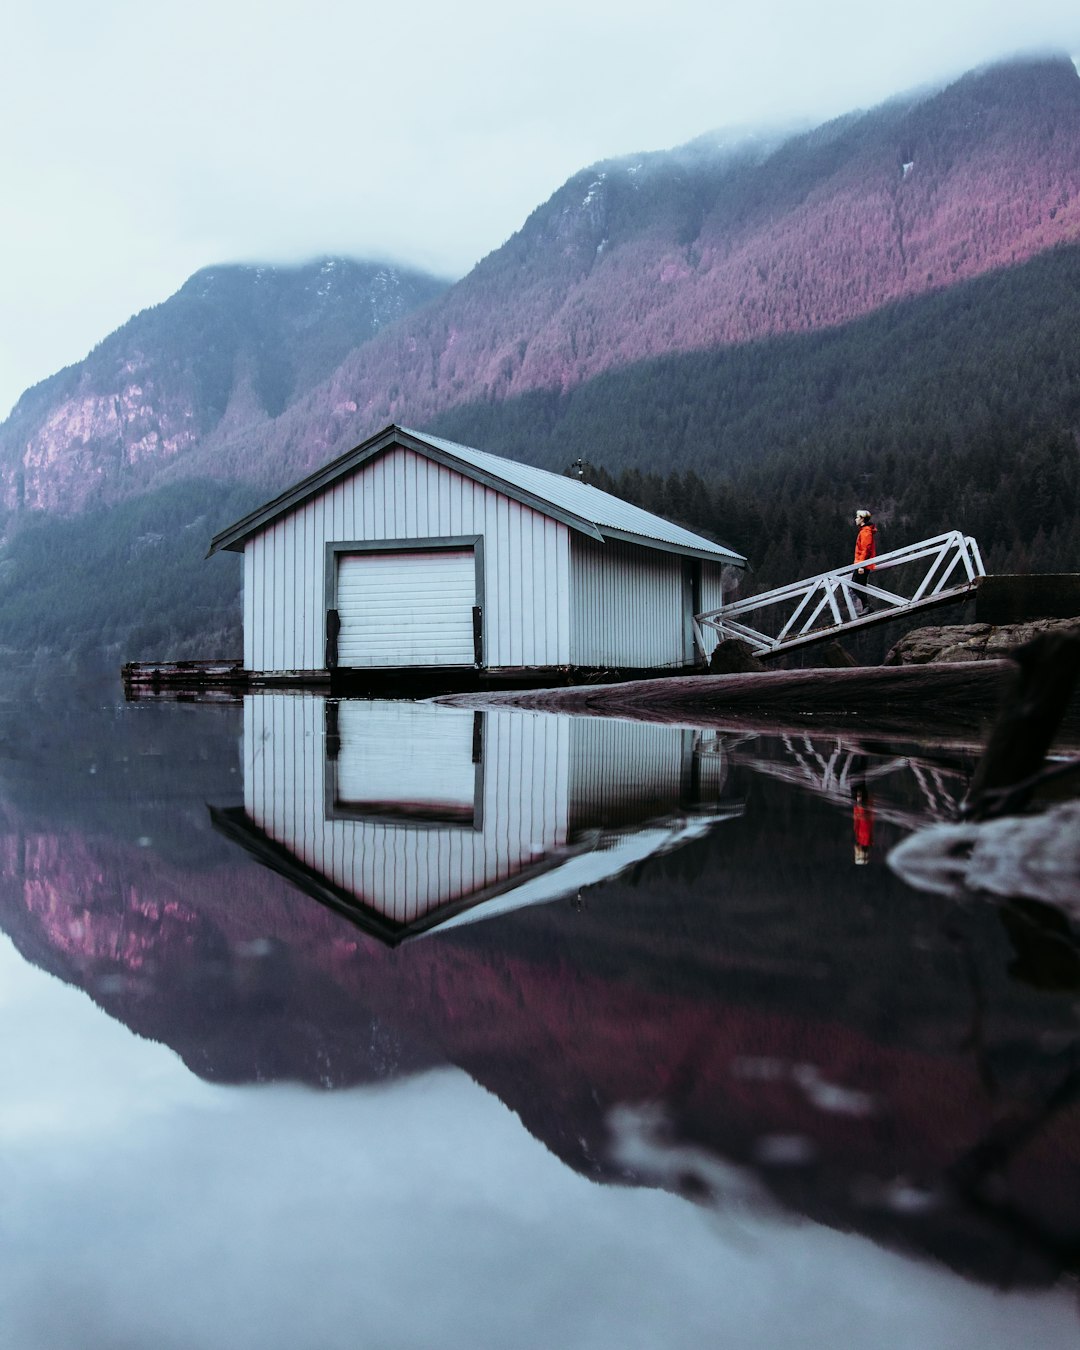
403	816
414	553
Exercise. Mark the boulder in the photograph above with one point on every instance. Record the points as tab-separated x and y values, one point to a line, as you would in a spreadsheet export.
733	656
836	655
971	641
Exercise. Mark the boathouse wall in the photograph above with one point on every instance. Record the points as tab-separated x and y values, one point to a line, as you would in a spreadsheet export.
712	597
523	562
630	606
634	606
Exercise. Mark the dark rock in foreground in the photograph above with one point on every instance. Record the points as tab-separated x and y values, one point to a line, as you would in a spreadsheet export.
733	656
971	641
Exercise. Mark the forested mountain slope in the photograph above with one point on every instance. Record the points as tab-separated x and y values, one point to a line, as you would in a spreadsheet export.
260	374
955	410
959	409
686	252
230	350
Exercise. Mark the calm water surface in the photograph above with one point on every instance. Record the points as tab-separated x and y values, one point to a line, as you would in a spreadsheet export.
381	1025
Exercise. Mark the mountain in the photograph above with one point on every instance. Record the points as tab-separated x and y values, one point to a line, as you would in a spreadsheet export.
881	308
259	373
958	409
676	253
231	349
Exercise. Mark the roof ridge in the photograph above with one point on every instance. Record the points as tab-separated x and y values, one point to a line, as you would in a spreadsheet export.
557	495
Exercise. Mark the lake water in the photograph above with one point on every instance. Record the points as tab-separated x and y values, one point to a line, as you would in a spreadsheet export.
385	1025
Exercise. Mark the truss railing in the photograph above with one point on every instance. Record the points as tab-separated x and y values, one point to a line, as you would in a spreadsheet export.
835	776
817	607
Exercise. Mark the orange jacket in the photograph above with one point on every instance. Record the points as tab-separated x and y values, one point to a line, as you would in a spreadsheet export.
866	545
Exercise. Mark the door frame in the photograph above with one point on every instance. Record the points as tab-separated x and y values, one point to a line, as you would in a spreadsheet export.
431	544
334	808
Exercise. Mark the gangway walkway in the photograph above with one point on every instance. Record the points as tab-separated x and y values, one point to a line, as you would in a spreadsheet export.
922	575
805	765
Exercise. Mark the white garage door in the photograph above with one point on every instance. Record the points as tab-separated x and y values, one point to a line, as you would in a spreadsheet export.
406	609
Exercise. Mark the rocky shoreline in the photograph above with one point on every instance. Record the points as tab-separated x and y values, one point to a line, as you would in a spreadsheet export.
952	703
943	684
955	643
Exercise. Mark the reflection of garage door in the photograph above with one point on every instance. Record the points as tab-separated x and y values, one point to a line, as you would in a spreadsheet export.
406	760
406	609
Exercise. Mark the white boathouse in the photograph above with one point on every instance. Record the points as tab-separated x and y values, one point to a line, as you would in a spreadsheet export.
414	553
403	816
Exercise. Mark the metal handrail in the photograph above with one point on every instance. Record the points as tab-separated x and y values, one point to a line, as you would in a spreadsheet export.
838	593
833	778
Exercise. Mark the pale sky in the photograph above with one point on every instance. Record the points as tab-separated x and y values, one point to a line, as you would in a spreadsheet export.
142	142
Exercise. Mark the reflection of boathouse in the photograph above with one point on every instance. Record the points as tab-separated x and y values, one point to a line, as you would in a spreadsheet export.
412	552
403	815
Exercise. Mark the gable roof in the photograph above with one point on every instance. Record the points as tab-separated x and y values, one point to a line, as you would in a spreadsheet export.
597	856
582	507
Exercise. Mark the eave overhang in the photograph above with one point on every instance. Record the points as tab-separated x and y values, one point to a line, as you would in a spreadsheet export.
234	537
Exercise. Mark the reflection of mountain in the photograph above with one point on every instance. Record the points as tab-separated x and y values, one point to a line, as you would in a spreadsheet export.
858	1049
212	963
403	815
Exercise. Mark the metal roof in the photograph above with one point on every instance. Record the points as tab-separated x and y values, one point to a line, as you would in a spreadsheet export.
581	506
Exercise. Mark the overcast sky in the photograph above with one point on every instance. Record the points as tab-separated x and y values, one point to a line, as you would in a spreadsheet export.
144	141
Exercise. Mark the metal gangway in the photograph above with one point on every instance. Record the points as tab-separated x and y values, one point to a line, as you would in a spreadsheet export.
832	771
932	572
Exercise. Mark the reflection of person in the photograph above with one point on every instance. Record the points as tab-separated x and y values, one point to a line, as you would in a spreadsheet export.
865	552
862	819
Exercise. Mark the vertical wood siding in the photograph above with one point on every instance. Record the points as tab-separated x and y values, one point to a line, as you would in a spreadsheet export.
402	871
712	597
629	606
712	765
625	772
403	495
541	784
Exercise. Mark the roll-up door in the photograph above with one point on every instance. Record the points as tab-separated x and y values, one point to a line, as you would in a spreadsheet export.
410	608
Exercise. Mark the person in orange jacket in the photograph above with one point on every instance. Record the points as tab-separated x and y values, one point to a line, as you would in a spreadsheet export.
865	549
865	542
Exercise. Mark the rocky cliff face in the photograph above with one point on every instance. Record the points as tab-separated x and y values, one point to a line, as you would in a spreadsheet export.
229	351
